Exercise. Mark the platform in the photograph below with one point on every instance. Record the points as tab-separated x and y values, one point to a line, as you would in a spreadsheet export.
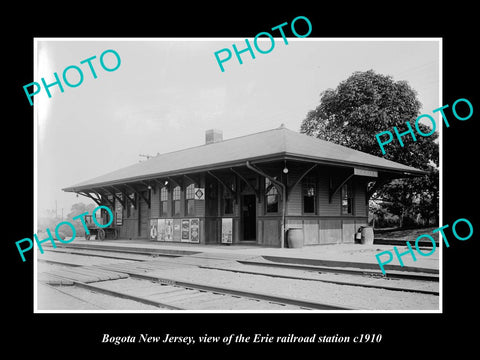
341	255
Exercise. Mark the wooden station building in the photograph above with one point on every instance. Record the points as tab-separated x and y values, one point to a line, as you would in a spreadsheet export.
246	190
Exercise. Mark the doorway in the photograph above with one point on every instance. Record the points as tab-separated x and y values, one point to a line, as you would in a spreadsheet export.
249	217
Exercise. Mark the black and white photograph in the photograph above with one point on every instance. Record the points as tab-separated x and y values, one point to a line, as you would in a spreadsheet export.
261	187
227	181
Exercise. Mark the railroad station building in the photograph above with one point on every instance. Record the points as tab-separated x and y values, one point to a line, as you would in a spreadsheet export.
246	190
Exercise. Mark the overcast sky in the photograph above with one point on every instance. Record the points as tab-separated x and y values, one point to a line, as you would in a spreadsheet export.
167	92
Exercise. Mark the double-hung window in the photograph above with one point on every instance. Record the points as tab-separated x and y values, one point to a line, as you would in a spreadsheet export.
309	190
271	197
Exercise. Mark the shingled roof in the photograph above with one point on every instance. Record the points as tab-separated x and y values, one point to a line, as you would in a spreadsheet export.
279	143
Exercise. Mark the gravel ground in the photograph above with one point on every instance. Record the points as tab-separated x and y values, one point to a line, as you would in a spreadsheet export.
400	283
79	259
352	296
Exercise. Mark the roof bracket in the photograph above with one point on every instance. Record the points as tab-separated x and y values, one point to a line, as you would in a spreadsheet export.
334	188
256	191
225	186
97	201
290	188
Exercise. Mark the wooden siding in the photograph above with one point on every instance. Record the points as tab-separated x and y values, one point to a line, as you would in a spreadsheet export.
155	202
268	232
360	205
310	232
330	231
348	231
325	230
213	228
325	208
294	204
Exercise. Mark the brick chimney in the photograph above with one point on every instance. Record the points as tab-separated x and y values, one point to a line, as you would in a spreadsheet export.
213	136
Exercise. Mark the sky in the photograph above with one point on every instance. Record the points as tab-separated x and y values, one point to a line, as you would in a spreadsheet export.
167	92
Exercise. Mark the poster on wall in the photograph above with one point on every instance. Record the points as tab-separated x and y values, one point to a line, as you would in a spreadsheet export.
153	229
177	224
186	230
226	230
194	230
161	230
118	211
168	230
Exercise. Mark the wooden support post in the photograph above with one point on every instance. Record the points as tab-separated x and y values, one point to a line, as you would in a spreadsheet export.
284	198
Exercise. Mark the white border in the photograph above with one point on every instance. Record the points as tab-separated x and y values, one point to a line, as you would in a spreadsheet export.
386	39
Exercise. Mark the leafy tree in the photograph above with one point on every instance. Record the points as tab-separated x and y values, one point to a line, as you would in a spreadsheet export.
366	104
77	209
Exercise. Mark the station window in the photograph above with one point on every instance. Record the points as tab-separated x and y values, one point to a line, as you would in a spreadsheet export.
271	197
176	200
309	190
190	199
164	202
347	199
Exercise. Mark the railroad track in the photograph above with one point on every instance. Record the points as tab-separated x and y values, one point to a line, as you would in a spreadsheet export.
167	293
429	277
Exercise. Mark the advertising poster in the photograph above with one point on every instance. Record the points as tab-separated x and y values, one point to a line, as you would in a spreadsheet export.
186	230
177	230
194	230
226	230
153	229
168	229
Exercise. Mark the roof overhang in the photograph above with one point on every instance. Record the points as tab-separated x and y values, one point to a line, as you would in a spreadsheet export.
391	171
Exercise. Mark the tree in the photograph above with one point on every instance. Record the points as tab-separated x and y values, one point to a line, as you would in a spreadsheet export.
366	104
77	209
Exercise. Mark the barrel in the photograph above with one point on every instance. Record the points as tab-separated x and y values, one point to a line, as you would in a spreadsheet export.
367	235
295	238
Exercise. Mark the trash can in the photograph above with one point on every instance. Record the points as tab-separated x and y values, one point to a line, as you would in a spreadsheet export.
295	238
367	235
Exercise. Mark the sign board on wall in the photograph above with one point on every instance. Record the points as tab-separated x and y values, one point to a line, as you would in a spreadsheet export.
226	230
363	172
118	210
199	193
